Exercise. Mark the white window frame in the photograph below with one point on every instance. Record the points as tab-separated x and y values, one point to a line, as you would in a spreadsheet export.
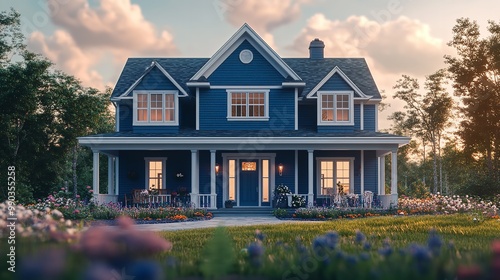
146	170
175	122
335	93
334	160
247	118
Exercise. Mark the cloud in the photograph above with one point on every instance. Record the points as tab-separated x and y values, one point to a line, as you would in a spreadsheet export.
402	45
263	16
391	48
86	34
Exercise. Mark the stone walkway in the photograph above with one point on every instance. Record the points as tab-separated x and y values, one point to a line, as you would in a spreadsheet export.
215	222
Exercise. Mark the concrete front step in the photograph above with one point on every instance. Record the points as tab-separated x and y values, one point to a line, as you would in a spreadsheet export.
243	211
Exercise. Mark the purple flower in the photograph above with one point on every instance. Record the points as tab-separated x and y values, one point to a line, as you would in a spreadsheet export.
360	237
259	235
434	242
255	253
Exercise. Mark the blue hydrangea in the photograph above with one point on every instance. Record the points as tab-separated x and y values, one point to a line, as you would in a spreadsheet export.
360	237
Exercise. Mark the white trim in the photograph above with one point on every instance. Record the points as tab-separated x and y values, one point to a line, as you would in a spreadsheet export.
195	186
135	122
247	118
293	84
394	172
117	116
335	159
362	172
197	108
233	87
336	69
296	98
401	140
245	32
95	173
310	175
376	117
296	171
198	84
361	116
150	67
382	175
146	170
212	174
335	122
117	175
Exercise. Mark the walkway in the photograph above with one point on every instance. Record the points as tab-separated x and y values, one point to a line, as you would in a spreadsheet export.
217	221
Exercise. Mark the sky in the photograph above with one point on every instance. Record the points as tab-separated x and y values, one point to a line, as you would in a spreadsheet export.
92	39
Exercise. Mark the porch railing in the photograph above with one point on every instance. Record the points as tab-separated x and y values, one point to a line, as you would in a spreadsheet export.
207	201
106	198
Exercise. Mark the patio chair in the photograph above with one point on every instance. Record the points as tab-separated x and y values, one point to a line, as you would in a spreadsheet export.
368	199
138	198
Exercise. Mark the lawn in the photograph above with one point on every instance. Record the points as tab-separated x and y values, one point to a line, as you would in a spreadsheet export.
365	248
466	241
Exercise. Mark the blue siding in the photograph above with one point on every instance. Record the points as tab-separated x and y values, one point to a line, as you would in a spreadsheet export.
335	128
233	72
155	80
133	162
155	129
213	112
125	114
369	116
287	158
357	117
371	171
307	116
336	82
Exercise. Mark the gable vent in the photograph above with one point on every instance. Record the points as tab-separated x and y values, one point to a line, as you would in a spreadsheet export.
317	49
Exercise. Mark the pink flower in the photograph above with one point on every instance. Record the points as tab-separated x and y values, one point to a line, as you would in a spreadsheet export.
77	196
76	211
88	187
91	191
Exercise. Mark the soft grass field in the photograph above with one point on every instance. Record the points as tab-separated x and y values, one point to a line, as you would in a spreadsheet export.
468	237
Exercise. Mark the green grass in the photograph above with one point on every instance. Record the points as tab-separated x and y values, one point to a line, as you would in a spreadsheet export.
469	238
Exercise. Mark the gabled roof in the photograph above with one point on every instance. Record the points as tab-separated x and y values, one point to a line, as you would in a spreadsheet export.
245	33
313	71
179	69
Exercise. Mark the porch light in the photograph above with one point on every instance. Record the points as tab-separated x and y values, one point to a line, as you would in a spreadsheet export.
280	169
217	169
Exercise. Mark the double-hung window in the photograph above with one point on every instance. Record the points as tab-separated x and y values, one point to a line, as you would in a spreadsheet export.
248	105
155	107
335	108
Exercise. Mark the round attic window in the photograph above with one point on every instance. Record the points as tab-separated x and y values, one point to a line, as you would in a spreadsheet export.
246	56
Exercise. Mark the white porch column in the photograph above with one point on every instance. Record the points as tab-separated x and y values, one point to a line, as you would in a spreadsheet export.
95	174
213	204
296	172
362	171
381	183
394	177
195	187
117	175
310	161
110	174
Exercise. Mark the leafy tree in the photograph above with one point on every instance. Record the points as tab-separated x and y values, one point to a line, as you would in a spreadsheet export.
427	115
42	112
476	75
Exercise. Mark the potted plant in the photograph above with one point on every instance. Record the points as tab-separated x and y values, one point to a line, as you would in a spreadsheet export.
229	203
280	199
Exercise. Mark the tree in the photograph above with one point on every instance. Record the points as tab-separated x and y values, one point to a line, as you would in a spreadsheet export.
426	115
42	112
476	75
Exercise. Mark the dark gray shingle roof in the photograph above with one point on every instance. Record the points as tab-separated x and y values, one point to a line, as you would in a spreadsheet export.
312	71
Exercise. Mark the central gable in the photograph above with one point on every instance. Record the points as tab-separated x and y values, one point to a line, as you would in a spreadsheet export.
337	80
260	47
255	70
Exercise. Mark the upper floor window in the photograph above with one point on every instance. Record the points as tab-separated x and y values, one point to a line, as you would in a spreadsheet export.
155	108
335	108
248	105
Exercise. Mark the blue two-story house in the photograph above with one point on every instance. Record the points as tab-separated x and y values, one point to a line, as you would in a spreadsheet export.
237	124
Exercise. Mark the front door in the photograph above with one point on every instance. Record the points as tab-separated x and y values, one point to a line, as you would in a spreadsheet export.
249	182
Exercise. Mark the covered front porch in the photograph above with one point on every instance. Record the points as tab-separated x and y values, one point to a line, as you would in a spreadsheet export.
212	173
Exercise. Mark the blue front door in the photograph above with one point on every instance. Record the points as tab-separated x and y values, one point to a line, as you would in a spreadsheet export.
249	182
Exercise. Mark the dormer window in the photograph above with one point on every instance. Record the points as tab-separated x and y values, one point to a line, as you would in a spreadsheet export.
155	107
248	105
335	108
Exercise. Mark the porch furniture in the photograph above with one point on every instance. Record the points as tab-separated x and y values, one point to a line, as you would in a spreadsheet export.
368	199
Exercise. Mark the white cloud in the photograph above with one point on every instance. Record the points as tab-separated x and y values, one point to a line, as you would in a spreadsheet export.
263	16
86	34
391	48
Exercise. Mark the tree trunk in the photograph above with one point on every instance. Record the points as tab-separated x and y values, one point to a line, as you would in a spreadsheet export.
423	144
73	167
440	165
434	166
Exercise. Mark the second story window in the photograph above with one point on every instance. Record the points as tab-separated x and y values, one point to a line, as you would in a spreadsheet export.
335	108
248	105
155	108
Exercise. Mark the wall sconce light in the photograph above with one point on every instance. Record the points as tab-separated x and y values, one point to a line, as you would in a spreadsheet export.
280	169
217	169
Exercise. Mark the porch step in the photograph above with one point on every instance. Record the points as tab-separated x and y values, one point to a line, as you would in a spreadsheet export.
243	212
